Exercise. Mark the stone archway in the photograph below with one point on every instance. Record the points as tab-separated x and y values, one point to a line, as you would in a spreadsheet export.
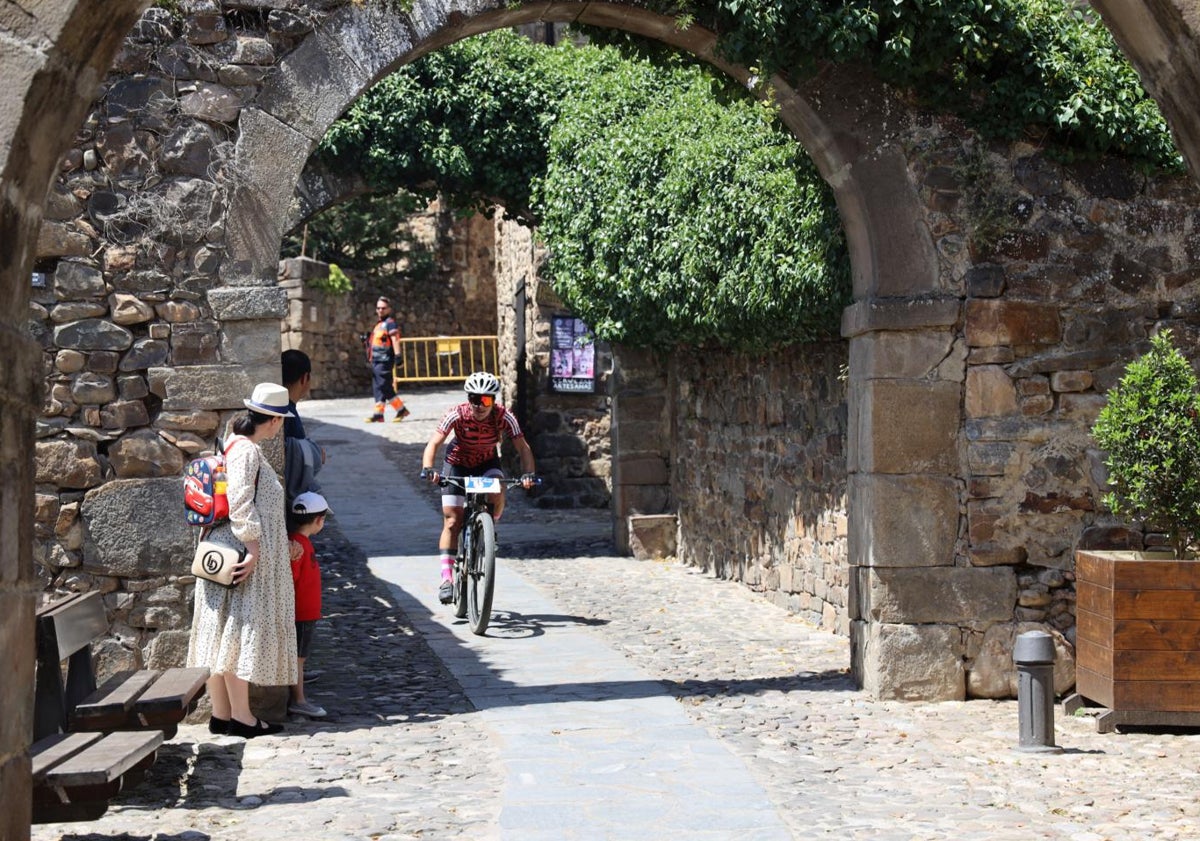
900	312
69	47
849	123
331	65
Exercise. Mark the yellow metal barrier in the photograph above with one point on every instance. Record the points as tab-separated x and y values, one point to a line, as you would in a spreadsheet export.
439	359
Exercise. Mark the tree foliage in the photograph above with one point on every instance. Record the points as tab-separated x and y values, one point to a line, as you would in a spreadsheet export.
674	207
468	121
367	233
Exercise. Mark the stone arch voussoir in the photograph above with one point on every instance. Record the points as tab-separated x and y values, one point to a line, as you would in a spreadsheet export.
1162	40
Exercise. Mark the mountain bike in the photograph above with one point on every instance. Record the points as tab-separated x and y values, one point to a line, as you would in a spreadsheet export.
475	564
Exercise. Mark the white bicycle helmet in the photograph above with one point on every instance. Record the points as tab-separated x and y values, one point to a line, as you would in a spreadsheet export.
481	382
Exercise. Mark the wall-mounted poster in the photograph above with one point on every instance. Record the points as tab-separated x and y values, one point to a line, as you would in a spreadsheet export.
572	356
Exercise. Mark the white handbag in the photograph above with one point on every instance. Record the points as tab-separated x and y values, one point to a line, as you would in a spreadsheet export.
214	562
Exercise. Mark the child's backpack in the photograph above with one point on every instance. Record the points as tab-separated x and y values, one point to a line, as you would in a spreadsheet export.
204	483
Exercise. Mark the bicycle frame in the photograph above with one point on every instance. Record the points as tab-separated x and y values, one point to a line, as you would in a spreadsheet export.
475	562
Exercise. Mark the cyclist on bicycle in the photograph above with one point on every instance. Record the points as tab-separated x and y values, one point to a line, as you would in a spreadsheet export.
478	426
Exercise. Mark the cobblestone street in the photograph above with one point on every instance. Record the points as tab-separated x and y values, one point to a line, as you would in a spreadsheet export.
714	698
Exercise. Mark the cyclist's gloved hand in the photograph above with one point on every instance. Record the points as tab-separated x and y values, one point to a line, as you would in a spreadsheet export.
528	480
430	474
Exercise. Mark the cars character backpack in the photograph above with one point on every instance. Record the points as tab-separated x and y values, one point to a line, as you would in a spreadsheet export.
204	484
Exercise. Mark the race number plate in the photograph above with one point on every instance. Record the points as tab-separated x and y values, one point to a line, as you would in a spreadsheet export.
483	485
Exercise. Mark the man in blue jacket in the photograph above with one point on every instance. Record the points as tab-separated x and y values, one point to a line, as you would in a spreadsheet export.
302	457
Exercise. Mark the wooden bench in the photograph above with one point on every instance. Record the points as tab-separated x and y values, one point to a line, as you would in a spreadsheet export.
89	742
75	775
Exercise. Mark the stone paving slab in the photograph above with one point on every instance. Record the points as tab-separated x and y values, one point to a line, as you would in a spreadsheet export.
593	746
411	751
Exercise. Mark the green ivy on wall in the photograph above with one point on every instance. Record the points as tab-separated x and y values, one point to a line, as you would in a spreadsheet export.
1043	69
675	218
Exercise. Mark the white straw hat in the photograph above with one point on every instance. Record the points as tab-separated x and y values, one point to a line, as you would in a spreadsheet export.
269	399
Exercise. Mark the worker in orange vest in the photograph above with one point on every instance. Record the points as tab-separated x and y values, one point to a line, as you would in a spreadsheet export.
383	346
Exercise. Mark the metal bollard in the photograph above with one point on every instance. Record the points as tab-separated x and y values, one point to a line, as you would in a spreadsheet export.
1033	654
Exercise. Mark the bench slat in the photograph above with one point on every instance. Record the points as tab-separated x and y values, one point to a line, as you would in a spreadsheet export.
53	799
77	621
137	700
52	750
174	690
109	705
105	760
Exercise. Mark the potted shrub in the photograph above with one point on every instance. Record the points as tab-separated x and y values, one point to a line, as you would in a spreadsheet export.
1138	613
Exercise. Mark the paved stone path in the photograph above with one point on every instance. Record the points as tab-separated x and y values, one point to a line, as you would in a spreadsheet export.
611	699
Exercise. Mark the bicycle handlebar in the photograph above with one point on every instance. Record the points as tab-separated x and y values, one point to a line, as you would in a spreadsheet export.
460	482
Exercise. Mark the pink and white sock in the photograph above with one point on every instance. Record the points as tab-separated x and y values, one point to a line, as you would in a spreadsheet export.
447	566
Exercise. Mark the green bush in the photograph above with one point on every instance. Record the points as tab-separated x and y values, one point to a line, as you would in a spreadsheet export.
1151	432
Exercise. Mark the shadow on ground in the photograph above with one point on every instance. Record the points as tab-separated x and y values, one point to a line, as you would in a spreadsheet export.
380	672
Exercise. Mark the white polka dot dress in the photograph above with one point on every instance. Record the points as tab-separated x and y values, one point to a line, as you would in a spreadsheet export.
250	629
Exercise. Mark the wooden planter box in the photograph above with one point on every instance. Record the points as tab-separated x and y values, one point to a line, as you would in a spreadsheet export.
1138	633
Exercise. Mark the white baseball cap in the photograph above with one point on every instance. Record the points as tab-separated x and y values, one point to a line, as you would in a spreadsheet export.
310	503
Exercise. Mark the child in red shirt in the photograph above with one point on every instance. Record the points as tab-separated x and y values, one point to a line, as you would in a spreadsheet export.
307	518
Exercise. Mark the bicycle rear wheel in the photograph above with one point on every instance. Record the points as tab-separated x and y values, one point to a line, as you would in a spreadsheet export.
481	575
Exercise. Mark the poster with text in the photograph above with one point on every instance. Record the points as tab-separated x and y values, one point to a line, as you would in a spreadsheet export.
572	356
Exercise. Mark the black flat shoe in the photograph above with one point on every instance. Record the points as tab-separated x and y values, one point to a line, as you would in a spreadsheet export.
249	731
218	726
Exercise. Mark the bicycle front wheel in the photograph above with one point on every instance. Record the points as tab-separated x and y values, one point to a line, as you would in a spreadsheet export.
460	586
481	574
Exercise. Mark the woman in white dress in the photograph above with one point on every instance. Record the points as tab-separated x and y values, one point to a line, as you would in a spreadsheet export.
246	633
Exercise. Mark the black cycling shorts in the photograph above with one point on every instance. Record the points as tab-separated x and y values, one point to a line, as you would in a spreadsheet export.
453	497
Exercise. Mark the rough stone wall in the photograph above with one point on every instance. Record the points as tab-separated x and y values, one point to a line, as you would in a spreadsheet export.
466	268
150	337
1064	272
455	296
643	403
327	327
569	433
759	442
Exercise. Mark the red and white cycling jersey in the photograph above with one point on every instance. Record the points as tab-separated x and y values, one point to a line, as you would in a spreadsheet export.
475	440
